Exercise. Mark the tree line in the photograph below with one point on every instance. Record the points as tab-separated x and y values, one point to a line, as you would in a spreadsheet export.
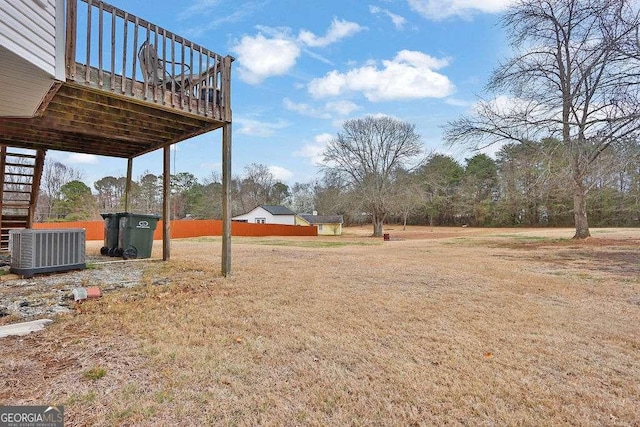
525	185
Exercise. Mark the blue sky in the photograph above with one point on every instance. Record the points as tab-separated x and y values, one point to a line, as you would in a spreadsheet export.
303	67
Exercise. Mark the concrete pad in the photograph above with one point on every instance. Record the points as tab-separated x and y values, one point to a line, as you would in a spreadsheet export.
24	328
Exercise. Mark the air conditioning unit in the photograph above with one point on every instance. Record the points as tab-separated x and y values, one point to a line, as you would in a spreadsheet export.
46	251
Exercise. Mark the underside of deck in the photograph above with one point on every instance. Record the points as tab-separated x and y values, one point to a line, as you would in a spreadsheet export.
78	118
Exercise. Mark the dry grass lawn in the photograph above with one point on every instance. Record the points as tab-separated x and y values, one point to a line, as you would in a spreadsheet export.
451	326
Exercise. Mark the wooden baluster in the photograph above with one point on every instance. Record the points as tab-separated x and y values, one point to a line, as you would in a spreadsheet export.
191	73
182	82
155	83
135	55
87	66
173	70
124	54
71	34
164	64
199	93
145	65
113	51
100	31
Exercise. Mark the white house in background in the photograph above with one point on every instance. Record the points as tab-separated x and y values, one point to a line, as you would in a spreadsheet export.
31	53
268	214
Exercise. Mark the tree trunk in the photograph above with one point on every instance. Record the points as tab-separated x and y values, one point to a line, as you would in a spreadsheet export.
404	223
377	226
580	211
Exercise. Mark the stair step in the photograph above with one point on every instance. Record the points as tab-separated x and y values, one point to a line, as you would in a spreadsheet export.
20	185
17	227
13	217
19	174
17	204
17	192
22	165
23	155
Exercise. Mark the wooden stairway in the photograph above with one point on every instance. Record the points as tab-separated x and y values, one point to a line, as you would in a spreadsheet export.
20	172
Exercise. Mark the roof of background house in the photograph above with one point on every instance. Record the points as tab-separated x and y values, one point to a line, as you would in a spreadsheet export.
321	219
277	210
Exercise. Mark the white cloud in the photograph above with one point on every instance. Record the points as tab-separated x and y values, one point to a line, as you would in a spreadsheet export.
211	165
330	109
197	7
338	30
280	174
398	21
81	158
305	109
260	57
442	9
456	102
274	51
313	151
253	127
409	75
342	108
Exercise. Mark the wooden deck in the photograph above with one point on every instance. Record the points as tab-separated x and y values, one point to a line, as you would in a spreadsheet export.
130	87
111	104
80	118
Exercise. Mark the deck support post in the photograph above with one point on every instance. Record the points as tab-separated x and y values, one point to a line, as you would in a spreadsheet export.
226	199
127	186
166	203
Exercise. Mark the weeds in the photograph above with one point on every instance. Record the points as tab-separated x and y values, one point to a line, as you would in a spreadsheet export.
95	373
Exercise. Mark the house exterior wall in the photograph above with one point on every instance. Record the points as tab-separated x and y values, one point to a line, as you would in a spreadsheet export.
301	221
260	213
28	29
329	229
31	53
324	229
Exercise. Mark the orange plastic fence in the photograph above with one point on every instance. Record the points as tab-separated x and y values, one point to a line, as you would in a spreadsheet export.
193	228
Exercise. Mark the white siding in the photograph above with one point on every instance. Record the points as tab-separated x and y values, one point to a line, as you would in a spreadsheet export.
28	29
259	212
23	86
28	38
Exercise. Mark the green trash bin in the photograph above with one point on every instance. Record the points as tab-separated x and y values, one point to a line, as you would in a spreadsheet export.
135	235
111	226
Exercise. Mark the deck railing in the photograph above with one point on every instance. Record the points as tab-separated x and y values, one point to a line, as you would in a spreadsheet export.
112	50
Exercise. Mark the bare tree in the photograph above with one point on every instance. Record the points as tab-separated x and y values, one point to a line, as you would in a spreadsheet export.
110	193
256	185
408	194
54	175
302	198
366	153
149	193
572	77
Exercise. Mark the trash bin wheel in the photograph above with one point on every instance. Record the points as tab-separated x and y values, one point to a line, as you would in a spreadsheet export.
130	253
112	252
104	250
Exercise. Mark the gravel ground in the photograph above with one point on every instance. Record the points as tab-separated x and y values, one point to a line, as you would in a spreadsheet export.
49	294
